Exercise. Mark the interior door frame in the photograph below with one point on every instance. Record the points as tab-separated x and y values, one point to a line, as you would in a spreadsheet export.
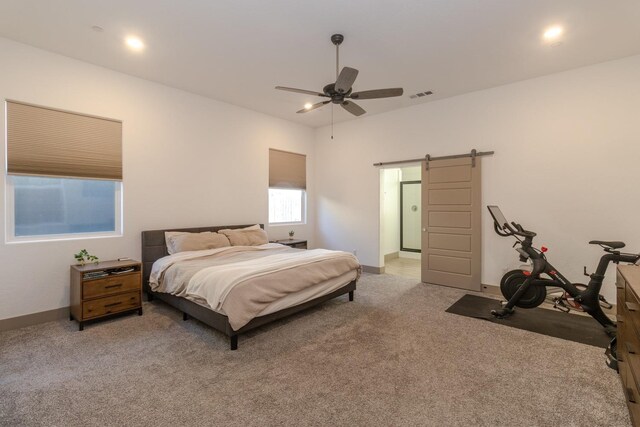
402	248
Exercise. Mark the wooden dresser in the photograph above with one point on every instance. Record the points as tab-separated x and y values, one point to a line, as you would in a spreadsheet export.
628	317
106	288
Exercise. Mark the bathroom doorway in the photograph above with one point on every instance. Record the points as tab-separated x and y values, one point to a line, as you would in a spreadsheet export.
400	220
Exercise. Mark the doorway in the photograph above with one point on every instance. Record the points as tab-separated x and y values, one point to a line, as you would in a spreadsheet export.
400	221
450	225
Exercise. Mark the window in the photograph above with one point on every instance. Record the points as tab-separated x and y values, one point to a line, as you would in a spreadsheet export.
64	174
286	206
287	187
44	206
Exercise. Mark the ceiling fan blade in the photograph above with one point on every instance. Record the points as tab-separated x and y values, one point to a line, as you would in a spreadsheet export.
293	89
313	107
345	79
353	108
377	93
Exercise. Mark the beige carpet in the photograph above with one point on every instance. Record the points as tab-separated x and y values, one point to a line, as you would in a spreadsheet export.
393	357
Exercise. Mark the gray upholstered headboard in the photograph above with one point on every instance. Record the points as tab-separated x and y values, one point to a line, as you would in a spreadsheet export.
154	246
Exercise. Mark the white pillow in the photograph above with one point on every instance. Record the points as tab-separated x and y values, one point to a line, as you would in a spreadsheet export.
248	236
180	241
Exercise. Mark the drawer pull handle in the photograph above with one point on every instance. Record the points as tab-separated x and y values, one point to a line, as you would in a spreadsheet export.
117	285
112	304
630	349
631	306
630	397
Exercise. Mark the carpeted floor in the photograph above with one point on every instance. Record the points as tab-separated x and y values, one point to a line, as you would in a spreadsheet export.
393	357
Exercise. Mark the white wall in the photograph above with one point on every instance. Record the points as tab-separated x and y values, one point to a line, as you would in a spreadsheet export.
411	173
188	161
567	164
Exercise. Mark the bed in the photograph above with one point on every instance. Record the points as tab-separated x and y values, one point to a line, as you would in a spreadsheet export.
154	249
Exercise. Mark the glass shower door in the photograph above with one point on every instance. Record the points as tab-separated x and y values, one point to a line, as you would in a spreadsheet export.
410	216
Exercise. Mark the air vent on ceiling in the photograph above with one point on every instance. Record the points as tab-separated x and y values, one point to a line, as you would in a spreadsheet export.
421	94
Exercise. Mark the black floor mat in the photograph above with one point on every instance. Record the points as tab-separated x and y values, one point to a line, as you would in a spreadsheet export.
570	327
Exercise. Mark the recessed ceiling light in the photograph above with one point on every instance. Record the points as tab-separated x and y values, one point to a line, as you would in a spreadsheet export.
134	43
308	106
552	33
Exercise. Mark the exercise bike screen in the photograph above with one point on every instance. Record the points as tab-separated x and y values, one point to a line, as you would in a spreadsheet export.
496	213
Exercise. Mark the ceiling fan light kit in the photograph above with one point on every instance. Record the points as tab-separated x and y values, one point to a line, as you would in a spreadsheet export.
341	92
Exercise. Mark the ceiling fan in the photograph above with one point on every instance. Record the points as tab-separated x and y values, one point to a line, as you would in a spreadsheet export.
340	92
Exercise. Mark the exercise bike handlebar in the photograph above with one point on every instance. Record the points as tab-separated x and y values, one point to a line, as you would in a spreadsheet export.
504	228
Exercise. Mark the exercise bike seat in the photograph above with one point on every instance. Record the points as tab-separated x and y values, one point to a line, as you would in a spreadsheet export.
611	245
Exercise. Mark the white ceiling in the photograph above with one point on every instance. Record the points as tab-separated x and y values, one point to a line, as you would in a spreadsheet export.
237	50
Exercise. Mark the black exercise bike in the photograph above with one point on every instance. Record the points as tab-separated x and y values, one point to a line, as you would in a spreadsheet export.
528	289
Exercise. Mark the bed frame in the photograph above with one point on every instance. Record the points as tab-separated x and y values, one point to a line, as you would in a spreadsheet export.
154	248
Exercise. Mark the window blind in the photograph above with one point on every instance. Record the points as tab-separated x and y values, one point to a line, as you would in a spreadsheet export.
48	142
287	170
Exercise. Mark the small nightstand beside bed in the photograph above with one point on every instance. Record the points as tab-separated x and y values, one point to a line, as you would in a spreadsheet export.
242	283
101	290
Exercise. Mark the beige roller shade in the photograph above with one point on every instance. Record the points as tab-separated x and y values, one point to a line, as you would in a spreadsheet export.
287	170
45	141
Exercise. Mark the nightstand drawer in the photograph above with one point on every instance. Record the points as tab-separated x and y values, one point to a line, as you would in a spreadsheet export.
110	285
114	304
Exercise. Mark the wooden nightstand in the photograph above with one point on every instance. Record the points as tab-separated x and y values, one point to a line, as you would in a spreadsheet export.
103	289
294	243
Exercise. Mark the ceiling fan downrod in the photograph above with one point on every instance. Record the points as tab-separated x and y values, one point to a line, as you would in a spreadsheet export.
337	40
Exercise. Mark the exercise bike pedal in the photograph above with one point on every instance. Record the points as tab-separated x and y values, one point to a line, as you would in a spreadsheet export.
503	312
560	306
604	303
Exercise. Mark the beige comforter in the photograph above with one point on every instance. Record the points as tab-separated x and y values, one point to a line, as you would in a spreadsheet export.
241	281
